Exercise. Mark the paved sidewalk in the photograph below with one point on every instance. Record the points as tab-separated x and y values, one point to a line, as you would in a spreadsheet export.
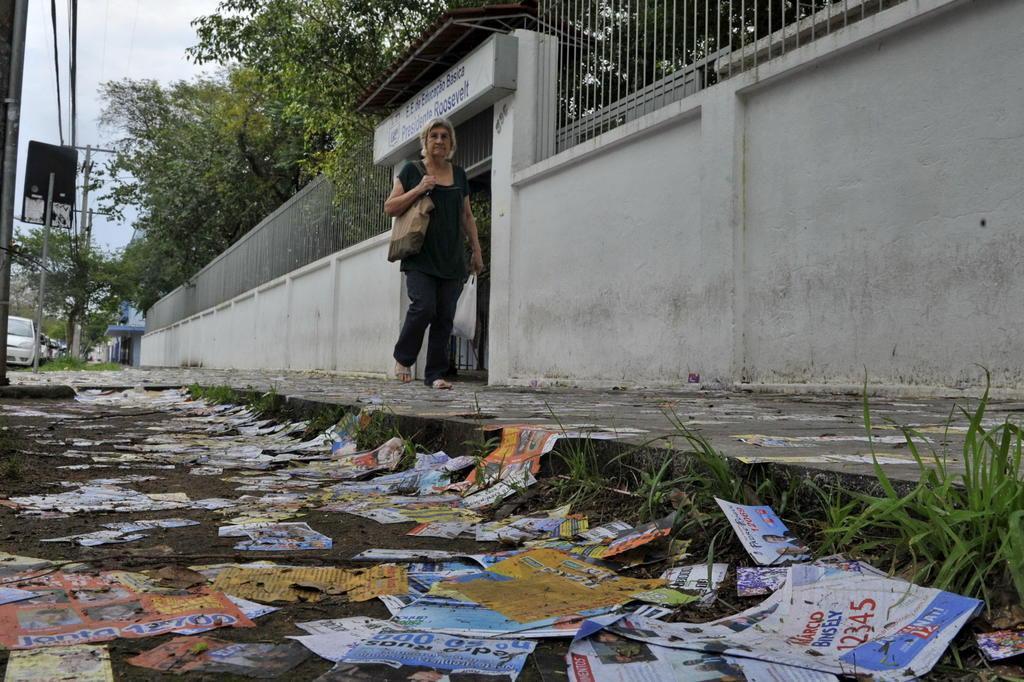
829	429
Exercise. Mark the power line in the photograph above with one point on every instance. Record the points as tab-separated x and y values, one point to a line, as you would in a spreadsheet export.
73	18
56	69
131	42
106	24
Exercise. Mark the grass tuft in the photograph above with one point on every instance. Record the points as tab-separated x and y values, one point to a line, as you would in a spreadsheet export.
68	363
219	395
958	532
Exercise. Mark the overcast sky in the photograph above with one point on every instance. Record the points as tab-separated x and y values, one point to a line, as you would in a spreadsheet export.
116	39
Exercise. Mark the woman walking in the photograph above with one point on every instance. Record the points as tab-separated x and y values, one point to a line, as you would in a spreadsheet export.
434	276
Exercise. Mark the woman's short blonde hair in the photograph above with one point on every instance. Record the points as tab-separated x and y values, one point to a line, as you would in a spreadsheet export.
434	123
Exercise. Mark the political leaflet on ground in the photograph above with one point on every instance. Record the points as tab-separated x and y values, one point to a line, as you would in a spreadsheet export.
311	584
545	583
209	655
332	639
515	481
80	662
276	537
11	594
841	623
759	580
392	656
520	447
457	617
1001	644
80	608
701	578
607	657
763	534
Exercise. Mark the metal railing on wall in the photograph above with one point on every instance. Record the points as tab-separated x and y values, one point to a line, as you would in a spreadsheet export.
621	59
318	221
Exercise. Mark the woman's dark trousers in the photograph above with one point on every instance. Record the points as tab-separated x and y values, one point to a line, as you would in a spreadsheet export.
432	303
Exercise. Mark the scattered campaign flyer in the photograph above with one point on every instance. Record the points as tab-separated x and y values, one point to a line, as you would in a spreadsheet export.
149	524
760	580
607	657
277	537
834	622
606	532
765	537
542	583
332	639
1001	644
520	447
753	581
312	583
71	608
11	594
209	655
441	529
467	619
390	655
515	481
80	662
700	578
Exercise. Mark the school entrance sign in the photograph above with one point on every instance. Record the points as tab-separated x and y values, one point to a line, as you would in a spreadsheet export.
483	77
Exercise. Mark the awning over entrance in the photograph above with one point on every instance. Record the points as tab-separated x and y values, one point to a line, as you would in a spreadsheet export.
453	36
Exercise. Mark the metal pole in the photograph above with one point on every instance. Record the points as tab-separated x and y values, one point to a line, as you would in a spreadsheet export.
10	169
44	264
76	333
86	172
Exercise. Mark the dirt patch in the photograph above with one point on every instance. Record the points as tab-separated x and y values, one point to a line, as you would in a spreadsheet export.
37	445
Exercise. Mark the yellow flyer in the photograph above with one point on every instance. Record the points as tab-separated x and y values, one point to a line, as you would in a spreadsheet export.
78	663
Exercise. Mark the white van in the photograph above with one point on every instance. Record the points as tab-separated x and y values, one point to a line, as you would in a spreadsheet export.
20	341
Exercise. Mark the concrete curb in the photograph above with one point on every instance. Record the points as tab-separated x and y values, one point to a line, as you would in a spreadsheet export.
22	392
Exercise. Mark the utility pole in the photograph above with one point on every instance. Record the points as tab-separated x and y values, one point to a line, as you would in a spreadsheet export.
12	109
76	333
42	277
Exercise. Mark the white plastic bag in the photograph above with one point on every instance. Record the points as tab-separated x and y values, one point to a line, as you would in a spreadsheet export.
465	311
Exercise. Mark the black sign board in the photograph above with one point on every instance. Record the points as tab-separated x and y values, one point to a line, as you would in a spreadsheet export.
44	159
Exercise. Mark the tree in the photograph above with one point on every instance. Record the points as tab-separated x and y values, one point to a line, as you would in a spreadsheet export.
83	284
202	162
319	56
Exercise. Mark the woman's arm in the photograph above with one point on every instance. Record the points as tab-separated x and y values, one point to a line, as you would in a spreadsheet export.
476	265
399	201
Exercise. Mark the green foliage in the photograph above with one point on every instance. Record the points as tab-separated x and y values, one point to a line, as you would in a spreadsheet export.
202	162
219	395
962	533
266	404
68	363
83	284
375	428
318	57
11	468
324	418
583	476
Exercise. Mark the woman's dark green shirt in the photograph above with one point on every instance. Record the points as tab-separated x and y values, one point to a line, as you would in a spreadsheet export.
443	254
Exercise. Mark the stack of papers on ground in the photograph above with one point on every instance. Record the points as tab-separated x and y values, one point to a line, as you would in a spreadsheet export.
840	623
410	655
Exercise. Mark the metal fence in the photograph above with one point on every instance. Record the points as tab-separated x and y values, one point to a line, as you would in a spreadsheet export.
621	59
316	222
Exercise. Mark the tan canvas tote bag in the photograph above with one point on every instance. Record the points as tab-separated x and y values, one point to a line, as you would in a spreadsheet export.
410	228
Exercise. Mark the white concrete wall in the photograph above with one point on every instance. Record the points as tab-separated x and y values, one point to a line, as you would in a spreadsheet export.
339	313
853	205
802	222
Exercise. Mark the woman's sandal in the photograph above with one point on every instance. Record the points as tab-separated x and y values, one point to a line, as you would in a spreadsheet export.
441	384
403	373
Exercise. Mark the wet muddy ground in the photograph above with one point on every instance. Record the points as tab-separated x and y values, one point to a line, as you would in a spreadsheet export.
35	440
40	440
